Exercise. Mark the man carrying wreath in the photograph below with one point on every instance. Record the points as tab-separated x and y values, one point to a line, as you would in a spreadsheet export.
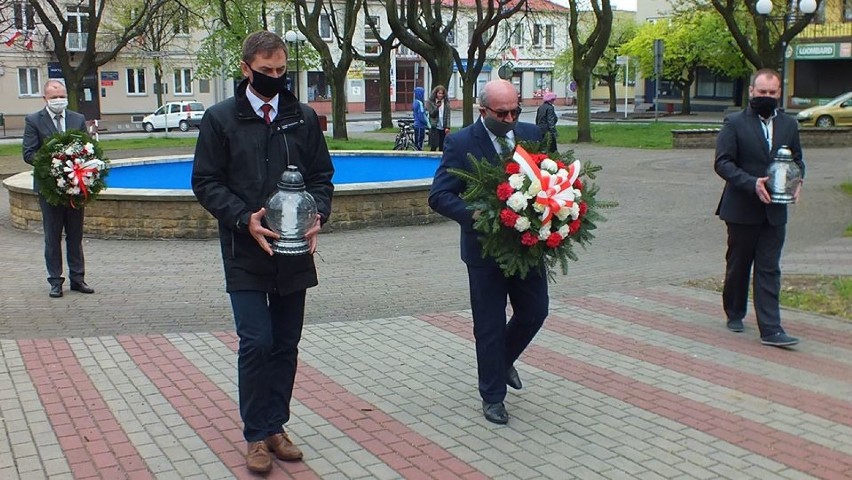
498	342
56	118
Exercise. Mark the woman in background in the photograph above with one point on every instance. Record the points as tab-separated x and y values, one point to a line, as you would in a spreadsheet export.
439	117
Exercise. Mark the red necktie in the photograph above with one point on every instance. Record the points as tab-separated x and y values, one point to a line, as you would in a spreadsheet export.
266	109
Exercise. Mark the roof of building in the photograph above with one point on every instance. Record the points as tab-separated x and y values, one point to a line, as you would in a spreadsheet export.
534	5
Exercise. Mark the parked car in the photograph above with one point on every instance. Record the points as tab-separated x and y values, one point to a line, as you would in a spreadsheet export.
838	111
181	115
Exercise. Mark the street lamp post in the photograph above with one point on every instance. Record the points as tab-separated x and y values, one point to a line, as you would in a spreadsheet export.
764	7
295	38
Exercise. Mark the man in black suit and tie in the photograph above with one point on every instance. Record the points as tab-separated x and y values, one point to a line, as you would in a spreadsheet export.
498	343
756	227
55	117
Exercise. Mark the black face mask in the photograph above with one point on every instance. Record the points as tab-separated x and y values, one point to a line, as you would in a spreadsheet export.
266	85
763	106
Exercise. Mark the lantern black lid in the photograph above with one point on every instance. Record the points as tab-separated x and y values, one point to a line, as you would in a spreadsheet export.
291	179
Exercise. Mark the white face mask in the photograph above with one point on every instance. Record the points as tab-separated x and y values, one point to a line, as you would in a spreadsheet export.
57	105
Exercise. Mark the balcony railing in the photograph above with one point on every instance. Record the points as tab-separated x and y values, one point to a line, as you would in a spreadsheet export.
826	30
76	42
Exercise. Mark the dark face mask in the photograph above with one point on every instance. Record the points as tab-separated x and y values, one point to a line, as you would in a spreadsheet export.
498	127
266	85
763	106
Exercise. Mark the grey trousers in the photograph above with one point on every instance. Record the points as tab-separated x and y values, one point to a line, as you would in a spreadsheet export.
55	220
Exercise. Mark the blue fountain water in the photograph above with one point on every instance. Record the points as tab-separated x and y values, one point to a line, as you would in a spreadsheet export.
348	168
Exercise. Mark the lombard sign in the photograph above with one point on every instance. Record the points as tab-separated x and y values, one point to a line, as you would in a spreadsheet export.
817	51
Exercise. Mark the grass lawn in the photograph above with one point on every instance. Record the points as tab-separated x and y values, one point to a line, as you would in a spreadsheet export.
652	135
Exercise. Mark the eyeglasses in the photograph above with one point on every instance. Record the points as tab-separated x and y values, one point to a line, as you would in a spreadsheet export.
503	114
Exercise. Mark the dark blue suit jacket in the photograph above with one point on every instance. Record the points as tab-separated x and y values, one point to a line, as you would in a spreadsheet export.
444	196
40	125
742	156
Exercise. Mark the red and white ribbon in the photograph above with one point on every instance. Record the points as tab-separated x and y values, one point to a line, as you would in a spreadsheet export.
556	189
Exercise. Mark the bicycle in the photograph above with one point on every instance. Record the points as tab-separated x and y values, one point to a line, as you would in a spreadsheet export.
405	136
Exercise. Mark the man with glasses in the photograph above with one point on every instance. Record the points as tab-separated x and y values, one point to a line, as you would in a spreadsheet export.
498	343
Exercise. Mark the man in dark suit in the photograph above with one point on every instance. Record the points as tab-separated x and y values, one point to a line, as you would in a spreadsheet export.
756	227
498	343
55	117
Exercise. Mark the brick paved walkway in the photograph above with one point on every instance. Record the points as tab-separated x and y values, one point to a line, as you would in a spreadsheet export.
633	376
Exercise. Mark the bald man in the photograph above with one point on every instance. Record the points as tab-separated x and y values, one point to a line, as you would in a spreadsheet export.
498	343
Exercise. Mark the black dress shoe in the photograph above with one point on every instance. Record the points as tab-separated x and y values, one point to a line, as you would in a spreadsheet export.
81	287
735	325
55	291
512	379
779	340
495	412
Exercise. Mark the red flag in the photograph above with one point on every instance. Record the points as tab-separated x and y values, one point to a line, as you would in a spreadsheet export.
11	40
29	42
515	53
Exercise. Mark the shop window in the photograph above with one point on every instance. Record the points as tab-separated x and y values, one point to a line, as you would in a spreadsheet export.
318	87
543	82
710	85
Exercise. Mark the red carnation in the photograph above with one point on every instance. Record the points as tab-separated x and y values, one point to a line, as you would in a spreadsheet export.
584	207
554	240
504	191
528	239
578	184
560	165
508	217
512	168
574	226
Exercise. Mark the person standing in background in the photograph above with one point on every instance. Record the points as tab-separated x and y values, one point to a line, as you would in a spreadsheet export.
438	107
421	118
56	118
545	118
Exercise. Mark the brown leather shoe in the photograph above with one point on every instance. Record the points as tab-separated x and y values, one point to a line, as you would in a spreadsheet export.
283	448
257	458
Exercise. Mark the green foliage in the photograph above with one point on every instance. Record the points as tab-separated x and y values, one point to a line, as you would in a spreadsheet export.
505	243
699	38
623	30
650	135
50	168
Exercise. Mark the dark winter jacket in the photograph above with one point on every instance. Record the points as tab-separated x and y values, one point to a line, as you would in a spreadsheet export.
238	162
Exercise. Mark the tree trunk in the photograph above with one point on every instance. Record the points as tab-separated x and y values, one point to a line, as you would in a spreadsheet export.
467	104
158	82
338	104
686	102
613	101
384	65
584	103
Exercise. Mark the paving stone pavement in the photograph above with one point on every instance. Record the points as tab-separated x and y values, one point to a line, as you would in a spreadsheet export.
633	375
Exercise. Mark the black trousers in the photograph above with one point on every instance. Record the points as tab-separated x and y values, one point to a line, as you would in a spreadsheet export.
436	139
269	327
498	343
758	246
55	220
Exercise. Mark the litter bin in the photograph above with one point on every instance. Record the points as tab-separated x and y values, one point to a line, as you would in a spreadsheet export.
3	124
670	108
323	121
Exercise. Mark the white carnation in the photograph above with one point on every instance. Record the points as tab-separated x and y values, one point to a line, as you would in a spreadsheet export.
577	194
563	213
575	211
517	202
549	165
544	231
516	180
88	148
69	151
564	231
522	224
538	207
535	187
60	183
562	173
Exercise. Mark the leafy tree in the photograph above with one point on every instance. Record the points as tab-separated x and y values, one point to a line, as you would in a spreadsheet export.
342	23
762	40
607	69
100	47
158	41
382	60
425	27
232	21
694	40
584	57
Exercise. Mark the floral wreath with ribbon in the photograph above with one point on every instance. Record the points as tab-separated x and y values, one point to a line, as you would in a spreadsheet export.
533	208
70	168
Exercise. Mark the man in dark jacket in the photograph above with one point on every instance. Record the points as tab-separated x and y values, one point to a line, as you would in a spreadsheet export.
756	226
245	144
52	119
498	343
